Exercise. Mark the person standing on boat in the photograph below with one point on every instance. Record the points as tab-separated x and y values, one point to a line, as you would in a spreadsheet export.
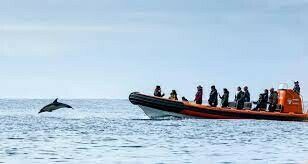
265	99
273	100
239	98
213	102
246	94
225	98
157	92
199	95
297	88
173	95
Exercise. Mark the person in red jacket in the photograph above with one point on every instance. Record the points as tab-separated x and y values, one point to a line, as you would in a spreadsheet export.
199	94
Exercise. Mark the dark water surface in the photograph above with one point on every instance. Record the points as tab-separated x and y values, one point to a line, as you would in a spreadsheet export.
114	131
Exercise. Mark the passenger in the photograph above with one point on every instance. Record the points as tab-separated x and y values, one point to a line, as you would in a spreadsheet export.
157	92
297	88
239	98
199	95
173	95
273	100
246	94
225	98
259	102
262	102
213	97
265	99
184	99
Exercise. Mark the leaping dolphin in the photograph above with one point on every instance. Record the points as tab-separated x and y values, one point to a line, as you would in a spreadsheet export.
54	106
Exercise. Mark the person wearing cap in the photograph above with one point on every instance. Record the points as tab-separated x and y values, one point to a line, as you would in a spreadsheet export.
199	95
246	94
239	98
225	98
273	100
213	97
297	88
173	95
157	92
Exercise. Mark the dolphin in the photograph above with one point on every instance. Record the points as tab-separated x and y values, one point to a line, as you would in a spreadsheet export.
54	106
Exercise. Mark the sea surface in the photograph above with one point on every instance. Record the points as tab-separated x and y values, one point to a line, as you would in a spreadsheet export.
114	131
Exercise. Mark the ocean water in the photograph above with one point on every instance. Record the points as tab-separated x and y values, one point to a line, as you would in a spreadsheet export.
114	131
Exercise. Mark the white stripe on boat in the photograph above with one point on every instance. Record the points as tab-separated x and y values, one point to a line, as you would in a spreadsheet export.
156	113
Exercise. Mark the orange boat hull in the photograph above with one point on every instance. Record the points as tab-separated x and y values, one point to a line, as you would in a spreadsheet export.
156	107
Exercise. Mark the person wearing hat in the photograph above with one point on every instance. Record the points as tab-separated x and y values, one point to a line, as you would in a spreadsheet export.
297	88
225	98
273	100
199	95
173	95
213	97
157	92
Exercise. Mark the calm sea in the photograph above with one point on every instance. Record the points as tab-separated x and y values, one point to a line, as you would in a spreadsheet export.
114	131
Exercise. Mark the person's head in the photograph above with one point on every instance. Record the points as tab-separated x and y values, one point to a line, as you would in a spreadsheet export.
245	88
225	90
157	87
213	87
239	88
272	90
199	88
266	91
296	83
173	92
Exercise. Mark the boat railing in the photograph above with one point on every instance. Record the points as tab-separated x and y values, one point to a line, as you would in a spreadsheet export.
305	109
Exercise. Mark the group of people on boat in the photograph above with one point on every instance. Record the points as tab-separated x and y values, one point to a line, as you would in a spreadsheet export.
267	100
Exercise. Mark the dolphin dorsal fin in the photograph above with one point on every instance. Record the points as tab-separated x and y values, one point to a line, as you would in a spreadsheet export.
56	100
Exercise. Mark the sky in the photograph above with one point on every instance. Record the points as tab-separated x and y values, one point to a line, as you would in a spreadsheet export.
110	48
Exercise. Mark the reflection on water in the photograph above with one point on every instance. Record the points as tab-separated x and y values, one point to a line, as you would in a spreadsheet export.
111	131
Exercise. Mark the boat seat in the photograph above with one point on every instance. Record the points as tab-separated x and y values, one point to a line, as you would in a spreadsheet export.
232	104
247	105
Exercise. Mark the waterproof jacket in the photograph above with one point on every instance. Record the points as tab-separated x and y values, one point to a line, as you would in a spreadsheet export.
246	96
273	98
213	98
157	93
225	99
173	96
297	89
198	97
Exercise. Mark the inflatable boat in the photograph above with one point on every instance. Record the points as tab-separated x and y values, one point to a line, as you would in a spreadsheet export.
291	109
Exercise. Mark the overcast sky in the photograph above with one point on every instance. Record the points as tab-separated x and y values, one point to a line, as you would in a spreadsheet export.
109	48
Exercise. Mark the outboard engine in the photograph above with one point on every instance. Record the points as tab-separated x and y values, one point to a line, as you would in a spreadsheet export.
290	101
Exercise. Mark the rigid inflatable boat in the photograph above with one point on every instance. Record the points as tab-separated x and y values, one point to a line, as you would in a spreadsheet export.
290	103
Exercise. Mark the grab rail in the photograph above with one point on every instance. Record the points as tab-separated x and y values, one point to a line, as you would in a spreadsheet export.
303	104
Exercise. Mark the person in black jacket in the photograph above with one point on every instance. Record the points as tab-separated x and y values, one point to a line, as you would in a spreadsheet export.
262	102
273	100
213	97
265	99
239	98
246	94
297	88
157	92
